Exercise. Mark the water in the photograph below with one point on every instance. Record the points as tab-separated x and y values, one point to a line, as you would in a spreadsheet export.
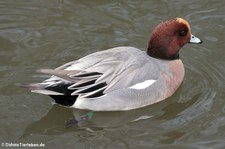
46	34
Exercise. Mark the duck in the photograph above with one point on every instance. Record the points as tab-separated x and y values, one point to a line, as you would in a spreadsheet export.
122	78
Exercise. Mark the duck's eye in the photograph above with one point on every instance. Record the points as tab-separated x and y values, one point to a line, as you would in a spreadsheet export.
182	33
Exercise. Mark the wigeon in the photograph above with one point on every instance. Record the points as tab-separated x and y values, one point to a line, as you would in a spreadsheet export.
122	78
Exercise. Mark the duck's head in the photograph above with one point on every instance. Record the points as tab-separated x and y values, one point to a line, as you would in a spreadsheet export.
169	37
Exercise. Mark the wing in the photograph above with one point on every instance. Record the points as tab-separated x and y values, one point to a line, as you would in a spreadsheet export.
98	74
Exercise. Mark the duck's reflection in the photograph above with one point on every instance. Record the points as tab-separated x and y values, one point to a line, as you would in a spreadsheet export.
162	118
52	123
61	119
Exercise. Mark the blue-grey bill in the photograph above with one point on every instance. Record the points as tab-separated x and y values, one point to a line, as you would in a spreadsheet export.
195	39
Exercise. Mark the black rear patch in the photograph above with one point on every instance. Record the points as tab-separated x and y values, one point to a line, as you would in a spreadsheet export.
66	99
87	89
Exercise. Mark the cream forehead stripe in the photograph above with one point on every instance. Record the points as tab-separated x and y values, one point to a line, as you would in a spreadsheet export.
180	20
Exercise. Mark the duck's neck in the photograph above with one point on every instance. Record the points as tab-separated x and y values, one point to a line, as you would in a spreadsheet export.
161	54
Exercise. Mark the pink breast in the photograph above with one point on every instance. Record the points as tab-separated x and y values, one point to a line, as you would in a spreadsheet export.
174	80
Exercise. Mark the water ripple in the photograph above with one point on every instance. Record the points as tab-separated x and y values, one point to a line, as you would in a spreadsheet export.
39	33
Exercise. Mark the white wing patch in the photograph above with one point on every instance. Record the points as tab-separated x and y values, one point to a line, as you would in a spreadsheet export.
143	85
